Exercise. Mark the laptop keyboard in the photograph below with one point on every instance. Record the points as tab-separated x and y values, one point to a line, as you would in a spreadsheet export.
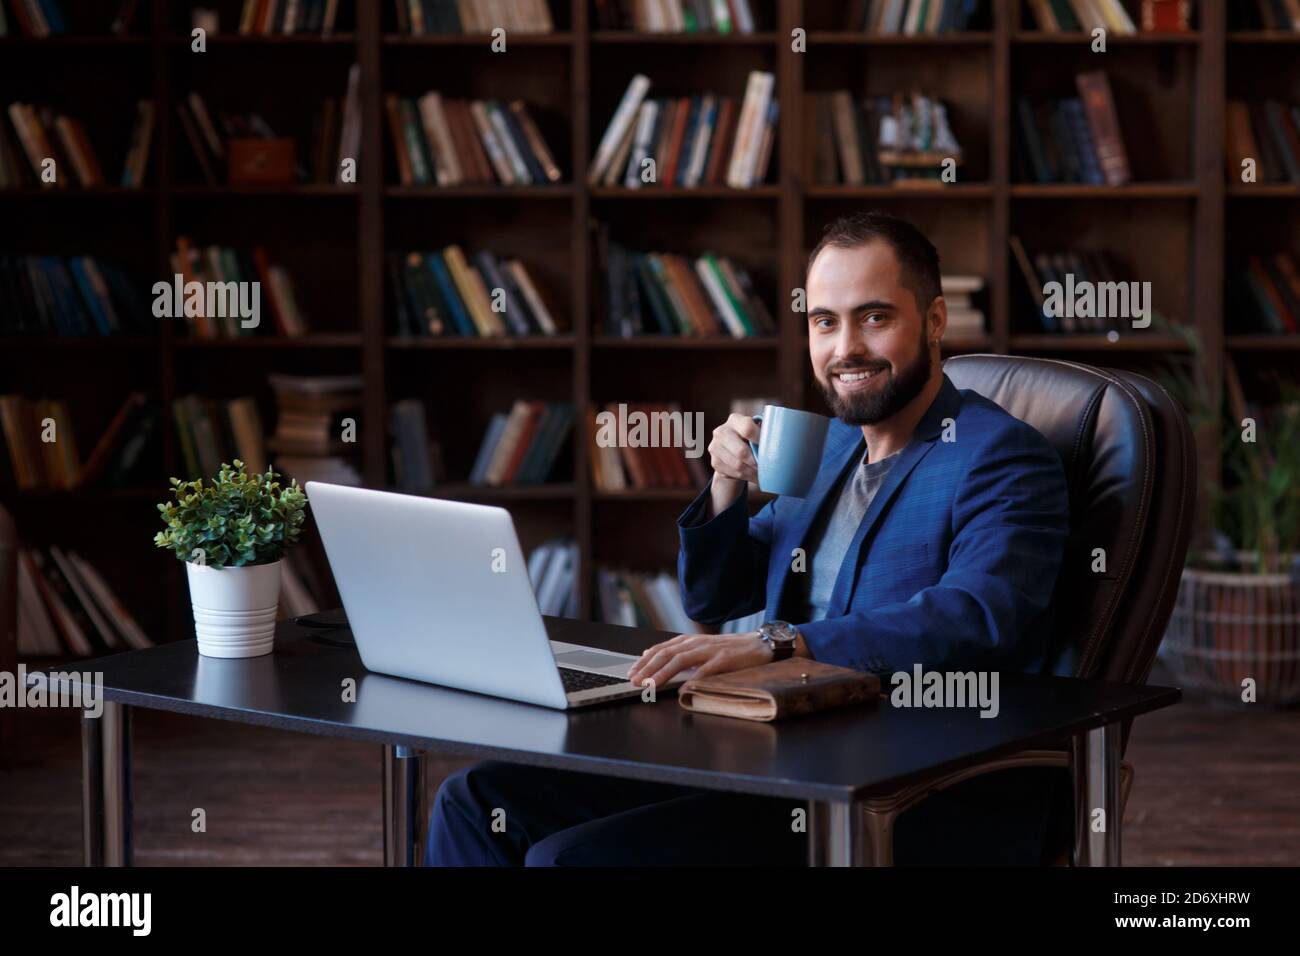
585	680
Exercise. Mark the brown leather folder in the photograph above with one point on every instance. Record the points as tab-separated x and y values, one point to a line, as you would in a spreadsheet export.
784	689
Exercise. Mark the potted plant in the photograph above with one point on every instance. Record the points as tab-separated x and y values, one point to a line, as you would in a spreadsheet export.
1237	614
232	534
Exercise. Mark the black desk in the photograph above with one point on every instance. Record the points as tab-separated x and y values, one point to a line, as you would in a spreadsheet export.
834	760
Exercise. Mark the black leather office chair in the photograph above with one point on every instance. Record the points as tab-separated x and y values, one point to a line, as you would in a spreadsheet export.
1130	460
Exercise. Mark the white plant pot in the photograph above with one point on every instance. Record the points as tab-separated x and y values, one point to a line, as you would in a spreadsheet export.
234	608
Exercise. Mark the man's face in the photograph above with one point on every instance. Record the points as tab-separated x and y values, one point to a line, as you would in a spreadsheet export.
866	337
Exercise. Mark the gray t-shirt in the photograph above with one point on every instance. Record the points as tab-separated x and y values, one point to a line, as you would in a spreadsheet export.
833	530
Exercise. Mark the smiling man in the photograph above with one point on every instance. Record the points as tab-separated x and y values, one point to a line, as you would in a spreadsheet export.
933	535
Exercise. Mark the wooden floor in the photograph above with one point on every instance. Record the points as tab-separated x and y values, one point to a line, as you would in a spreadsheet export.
1215	785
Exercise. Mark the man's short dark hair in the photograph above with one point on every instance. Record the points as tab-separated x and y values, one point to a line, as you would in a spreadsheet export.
917	256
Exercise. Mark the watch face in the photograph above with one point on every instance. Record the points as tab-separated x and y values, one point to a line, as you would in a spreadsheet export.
780	632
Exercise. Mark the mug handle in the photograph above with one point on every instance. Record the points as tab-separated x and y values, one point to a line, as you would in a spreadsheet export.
753	447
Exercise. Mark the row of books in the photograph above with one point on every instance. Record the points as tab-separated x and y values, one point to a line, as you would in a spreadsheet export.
521	447
424	17
652	599
41	450
661	293
38	136
453	142
553	571
66	607
444	293
335	137
212	431
1264	15
1072	140
1267	294
1071	16
1266	131
1095	267
702	140
654	463
267	17
43	18
909	17
881	139
214	314
74	296
676	16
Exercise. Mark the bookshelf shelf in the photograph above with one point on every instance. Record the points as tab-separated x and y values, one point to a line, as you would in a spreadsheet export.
679	192
1262	343
462	491
670	342
79	344
558	191
463	343
945	191
336	40
310	190
760	38
480	40
1264	191
1098	342
852	38
78	193
1177	190
70	42
1035	37
1263	36
318	340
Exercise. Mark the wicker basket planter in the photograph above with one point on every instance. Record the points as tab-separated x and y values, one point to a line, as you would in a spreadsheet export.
1227	626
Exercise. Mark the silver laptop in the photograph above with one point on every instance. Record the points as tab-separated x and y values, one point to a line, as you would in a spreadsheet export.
439	591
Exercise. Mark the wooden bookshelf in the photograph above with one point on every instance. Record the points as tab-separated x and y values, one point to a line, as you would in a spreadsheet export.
1171	225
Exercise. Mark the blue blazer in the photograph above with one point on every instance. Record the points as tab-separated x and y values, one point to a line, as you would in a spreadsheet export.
952	567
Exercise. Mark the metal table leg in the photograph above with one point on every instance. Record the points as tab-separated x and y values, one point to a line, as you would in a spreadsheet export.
836	834
1094	765
106	786
406	807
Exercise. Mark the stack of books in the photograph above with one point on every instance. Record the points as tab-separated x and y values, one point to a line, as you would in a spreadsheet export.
213	431
1071	16
417	461
960	292
881	139
553	571
653	599
676	16
316	427
452	142
73	296
49	149
267	17
335	136
619	466
1266	293
688	141
523	447
47	457
444	293
1072	140
226	277
1268	132
662	293
1074	269
909	17
424	17
66	607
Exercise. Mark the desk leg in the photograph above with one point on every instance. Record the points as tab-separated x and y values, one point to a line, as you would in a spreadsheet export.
1094	763
406	807
836	834
106	787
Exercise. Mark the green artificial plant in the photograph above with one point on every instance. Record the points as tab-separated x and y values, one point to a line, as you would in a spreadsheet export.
235	521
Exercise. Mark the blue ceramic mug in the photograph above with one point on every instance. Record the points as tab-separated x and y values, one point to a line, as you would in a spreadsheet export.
789	449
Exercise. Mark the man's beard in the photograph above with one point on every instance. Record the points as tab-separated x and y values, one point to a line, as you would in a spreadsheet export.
872	407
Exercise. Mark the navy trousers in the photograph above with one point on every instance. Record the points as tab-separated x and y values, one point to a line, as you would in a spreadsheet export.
500	814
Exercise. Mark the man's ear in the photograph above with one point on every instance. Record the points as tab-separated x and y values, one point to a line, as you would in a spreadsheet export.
936	321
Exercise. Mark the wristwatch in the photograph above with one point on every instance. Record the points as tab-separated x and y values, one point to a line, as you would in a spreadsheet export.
779	636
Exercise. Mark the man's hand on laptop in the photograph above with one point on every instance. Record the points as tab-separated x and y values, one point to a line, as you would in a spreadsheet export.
707	653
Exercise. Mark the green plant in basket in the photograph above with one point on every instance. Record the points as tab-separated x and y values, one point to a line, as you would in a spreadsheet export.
235	520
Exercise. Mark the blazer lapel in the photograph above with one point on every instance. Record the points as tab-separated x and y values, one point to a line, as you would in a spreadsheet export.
945	405
845	447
